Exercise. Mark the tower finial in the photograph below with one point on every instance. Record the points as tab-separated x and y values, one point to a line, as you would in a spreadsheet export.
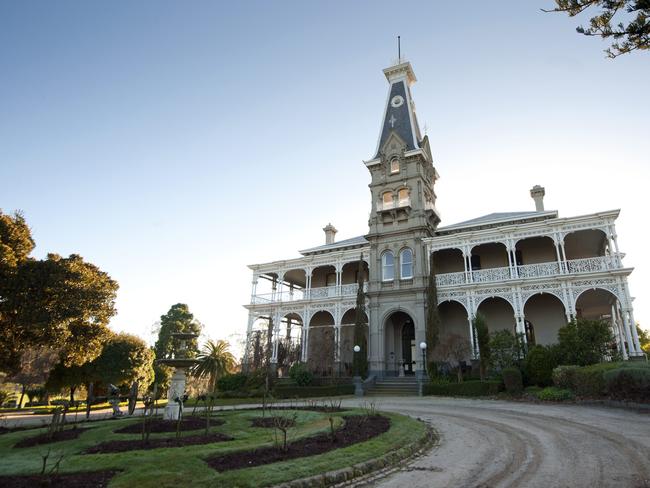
399	50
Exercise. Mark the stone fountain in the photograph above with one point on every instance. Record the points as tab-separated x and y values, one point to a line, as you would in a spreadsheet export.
180	362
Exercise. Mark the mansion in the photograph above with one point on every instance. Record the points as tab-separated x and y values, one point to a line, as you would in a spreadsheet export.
530	272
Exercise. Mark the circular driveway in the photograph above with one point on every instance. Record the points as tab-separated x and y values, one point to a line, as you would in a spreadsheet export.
489	443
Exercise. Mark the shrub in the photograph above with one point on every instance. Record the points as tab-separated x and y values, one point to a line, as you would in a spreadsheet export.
584	342
505	349
539	366
554	394
564	376
232	382
589	381
256	379
513	381
628	383
300	374
466	388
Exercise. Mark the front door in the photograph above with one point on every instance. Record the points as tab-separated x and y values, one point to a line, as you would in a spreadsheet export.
408	347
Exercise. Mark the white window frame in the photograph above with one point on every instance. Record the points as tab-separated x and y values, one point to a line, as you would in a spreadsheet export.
402	262
385	266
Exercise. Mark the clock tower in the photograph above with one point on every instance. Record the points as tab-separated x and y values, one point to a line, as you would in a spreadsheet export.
402	214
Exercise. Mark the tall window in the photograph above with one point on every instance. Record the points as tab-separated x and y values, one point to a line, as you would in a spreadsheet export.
387	266
394	166
406	264
403	197
387	199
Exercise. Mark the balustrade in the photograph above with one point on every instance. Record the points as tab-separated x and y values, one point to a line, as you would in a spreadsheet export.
307	294
590	265
539	269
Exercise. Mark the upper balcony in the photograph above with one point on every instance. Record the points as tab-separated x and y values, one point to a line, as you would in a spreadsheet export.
538	270
342	291
571	253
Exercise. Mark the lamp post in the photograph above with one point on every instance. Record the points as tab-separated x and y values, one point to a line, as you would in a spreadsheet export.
358	388
423	375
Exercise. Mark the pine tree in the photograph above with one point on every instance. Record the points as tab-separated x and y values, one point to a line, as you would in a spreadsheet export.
360	359
433	316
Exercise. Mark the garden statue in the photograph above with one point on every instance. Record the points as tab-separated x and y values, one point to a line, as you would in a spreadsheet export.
133	397
114	400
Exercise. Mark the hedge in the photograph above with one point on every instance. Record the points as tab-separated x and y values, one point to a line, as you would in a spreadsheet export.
513	380
589	381
466	388
295	391
628	383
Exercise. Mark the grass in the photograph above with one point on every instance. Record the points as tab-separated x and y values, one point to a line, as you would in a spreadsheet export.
171	467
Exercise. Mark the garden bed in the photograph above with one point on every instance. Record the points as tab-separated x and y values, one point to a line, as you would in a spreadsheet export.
47	438
358	428
139	444
96	479
157	426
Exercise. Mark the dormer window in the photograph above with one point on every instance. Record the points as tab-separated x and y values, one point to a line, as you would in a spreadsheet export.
394	166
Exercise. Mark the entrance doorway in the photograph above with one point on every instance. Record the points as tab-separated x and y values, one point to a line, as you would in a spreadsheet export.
408	347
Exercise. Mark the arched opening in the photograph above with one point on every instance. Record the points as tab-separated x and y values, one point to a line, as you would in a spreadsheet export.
259	343
289	342
535	250
448	261
295	281
498	313
544	315
350	273
322	343
489	262
347	339
400	347
600	304
453	319
323	281
587	243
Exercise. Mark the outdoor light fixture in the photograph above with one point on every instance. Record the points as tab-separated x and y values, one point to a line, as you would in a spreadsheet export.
357	349
358	388
423	346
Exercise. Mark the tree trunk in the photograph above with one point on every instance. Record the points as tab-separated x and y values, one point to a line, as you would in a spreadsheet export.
72	390
22	396
460	374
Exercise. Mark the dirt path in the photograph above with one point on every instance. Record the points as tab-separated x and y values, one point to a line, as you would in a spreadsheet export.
486	443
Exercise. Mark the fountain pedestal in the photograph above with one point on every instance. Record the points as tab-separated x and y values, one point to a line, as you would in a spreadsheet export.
176	390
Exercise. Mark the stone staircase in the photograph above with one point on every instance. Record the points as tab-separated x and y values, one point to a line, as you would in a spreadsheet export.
394	386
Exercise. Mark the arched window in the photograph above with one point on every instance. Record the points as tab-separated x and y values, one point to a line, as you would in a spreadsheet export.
387	199
394	166
406	264
403	197
387	266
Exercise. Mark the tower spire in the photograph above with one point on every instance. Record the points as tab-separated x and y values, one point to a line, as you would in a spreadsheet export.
399	50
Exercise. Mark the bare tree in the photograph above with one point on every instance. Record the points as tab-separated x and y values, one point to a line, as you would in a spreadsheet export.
453	350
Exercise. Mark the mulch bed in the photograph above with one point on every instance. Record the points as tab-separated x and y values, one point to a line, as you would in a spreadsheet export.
46	438
269	422
96	479
138	444
157	426
356	429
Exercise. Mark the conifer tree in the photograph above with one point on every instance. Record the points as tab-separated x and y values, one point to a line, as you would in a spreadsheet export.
360	359
433	316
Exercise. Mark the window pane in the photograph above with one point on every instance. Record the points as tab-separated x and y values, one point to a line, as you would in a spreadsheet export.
394	166
406	262
388	268
403	196
388	200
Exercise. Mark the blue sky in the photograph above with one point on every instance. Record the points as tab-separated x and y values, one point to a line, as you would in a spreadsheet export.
172	143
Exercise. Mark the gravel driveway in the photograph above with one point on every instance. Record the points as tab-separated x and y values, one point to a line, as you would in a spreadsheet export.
488	443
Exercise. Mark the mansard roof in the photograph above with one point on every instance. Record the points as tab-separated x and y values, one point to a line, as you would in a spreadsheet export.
358	241
496	219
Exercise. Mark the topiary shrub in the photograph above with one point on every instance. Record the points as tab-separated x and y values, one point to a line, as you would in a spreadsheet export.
513	380
628	383
554	394
539	366
300	374
232	382
564	376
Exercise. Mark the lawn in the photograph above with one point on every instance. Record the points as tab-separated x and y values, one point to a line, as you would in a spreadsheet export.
170	467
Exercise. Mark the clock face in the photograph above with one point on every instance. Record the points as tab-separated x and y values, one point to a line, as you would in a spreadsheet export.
397	101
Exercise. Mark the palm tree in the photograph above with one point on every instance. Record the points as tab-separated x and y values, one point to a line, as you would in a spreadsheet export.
214	361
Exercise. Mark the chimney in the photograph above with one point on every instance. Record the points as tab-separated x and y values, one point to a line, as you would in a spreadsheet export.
330	232
538	192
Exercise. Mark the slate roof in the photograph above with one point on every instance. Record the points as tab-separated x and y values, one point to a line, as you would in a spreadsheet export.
397	119
352	242
500	217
